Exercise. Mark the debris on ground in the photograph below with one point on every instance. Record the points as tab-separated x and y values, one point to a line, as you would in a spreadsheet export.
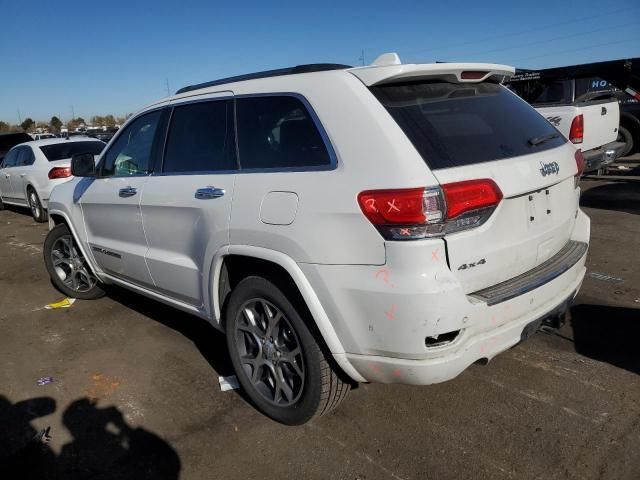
604	277
101	386
228	383
64	303
44	381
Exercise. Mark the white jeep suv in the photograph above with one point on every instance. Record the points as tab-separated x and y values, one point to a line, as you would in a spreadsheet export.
389	223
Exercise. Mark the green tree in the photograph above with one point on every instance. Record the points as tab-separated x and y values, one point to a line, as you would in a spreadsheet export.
27	124
55	123
4	126
109	120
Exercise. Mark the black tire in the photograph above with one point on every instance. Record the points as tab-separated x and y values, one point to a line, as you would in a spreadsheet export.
87	290
38	212
624	135
323	387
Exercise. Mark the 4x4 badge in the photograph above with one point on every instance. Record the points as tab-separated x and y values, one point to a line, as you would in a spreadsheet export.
549	168
464	266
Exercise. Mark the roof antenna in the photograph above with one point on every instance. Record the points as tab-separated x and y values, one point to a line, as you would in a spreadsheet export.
385	59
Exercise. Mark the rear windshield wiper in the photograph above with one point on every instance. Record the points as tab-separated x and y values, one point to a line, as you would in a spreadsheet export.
533	141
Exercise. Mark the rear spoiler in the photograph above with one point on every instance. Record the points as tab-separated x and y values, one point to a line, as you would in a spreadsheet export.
456	72
388	69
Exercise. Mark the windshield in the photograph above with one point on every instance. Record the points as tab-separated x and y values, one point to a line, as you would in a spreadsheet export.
452	124
60	151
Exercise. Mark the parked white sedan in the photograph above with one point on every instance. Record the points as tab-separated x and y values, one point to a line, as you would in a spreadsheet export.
30	170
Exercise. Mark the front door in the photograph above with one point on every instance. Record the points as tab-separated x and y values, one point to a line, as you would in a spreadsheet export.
23	167
111	203
6	170
186	207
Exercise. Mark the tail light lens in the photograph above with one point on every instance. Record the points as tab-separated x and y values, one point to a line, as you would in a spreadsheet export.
409	214
59	172
576	133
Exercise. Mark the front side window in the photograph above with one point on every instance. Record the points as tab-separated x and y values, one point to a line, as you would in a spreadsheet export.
278	132
25	157
11	158
131	154
200	138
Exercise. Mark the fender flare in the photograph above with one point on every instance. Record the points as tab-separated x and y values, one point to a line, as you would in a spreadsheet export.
87	255
306	290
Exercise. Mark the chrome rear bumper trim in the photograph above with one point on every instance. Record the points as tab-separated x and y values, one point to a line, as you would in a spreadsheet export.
562	261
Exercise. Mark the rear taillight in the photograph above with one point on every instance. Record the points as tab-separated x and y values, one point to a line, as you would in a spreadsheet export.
409	214
576	133
59	172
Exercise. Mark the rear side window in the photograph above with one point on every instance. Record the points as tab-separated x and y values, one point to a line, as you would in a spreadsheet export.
453	125
66	149
201	138
278	132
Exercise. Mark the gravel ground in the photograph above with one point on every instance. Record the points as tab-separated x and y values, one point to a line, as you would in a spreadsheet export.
135	389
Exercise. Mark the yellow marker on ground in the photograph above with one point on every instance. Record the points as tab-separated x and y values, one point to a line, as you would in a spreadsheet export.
64	303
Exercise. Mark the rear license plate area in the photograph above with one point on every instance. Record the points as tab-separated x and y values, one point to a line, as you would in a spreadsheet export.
539	209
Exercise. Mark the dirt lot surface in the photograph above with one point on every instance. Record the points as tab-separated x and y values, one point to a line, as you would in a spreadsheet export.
135	389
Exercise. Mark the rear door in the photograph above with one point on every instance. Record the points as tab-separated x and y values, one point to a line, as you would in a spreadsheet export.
111	202
483	131
186	206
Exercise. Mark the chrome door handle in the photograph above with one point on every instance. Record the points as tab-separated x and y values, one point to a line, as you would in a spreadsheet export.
23	174
209	192
127	192
7	175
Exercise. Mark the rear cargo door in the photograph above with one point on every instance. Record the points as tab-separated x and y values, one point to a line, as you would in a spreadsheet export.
483	131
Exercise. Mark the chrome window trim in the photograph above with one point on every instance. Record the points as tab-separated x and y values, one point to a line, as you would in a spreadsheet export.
333	158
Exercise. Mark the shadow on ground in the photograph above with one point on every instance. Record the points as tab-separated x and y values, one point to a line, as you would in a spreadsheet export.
621	196
608	334
103	446
210	342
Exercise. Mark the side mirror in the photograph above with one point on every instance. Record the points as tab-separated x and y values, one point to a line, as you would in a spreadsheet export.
83	165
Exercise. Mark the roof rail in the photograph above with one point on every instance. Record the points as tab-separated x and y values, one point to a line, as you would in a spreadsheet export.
312	67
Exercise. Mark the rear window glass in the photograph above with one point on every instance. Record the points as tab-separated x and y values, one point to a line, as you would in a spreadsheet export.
63	150
453	125
278	132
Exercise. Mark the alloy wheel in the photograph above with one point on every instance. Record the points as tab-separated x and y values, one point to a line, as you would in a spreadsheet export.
70	266
270	352
34	203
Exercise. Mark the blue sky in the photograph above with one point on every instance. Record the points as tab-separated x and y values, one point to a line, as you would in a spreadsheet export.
115	56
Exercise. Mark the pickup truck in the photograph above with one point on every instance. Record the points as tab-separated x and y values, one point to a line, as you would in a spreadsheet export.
591	125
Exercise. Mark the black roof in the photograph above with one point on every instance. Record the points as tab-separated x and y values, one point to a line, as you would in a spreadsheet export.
312	67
